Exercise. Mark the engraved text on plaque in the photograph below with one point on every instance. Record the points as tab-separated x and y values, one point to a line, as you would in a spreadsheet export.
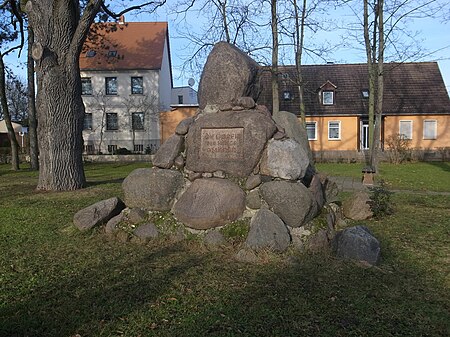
226	143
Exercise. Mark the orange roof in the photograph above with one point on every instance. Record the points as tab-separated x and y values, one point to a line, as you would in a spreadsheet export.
127	46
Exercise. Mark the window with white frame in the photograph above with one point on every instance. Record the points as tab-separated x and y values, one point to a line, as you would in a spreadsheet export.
405	129
86	86
327	97
138	147
112	121
87	121
137	85
112	149
311	130
89	149
111	85
137	120
334	130
429	129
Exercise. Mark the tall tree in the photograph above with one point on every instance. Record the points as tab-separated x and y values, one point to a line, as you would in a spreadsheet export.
274	68
239	22
16	92
60	29
32	119
386	31
8	13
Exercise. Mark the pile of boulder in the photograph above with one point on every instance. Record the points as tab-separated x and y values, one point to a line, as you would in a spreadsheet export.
234	161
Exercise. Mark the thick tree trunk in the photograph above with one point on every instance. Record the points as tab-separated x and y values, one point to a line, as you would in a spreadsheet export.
32	130
59	33
60	128
4	104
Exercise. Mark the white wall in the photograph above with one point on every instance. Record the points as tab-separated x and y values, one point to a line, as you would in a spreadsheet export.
165	80
189	95
123	104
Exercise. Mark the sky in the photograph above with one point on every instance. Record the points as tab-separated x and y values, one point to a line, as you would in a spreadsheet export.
434	37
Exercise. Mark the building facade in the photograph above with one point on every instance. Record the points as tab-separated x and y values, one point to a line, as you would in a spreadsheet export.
336	96
126	83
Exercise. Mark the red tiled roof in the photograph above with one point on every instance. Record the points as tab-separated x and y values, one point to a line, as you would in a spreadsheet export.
409	88
139	45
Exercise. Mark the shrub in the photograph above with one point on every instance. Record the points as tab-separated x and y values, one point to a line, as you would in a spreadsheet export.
399	148
380	200
123	150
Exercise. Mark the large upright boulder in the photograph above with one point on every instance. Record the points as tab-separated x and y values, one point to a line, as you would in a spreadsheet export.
228	74
152	188
210	203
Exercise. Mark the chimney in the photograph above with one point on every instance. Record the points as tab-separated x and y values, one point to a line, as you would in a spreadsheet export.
122	20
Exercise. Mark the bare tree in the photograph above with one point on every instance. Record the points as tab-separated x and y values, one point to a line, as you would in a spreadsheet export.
274	68
102	104
8	13
386	33
239	22
32	118
60	29
143	112
16	92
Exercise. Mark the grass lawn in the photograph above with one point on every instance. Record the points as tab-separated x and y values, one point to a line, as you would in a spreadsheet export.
56	281
432	176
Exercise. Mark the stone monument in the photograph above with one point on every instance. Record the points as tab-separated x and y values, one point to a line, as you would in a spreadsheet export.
232	158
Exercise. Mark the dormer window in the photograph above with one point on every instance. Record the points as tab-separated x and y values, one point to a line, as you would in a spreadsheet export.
90	53
327	91
327	97
287	95
365	93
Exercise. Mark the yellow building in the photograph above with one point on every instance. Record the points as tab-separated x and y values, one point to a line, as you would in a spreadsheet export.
416	105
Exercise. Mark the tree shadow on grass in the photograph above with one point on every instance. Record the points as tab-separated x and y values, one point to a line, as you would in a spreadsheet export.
91	183
444	165
82	302
178	291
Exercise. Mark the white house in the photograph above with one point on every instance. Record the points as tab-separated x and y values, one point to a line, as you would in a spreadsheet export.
126	82
184	96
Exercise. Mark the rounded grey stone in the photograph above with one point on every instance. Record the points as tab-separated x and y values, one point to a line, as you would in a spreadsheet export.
357	243
146	232
152	189
97	214
267	231
136	215
209	203
253	200
284	159
214	238
253	181
292	202
183	127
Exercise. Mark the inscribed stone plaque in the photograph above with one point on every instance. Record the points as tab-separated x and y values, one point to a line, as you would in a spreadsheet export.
223	143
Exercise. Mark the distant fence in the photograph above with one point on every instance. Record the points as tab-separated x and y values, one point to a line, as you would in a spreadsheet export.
111	158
